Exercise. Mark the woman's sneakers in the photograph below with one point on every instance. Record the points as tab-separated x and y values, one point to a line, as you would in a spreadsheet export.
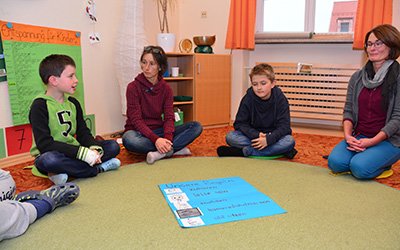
56	196
111	164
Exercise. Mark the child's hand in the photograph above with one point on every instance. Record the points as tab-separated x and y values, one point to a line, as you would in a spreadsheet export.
259	143
98	160
92	157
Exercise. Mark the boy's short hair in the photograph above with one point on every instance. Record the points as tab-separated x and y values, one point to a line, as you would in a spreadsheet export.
54	65
263	69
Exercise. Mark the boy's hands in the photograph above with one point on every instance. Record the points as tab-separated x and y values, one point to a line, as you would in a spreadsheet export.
92	157
261	142
163	145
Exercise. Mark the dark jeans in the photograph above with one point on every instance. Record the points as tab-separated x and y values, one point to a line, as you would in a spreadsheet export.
239	140
184	134
58	163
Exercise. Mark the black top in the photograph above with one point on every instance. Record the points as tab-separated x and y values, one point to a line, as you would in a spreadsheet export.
271	116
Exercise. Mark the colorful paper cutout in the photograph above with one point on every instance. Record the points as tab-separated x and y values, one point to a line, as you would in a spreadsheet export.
91	10
94	37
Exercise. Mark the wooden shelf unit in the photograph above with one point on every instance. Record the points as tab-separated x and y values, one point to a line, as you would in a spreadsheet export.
207	79
183	85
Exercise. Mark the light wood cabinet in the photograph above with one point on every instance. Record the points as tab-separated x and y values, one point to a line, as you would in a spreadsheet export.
207	79
183	85
212	89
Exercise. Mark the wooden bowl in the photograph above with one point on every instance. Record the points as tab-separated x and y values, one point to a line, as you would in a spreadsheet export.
204	40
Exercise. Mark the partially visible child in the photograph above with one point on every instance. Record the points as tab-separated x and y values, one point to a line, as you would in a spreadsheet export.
262	124
63	144
18	212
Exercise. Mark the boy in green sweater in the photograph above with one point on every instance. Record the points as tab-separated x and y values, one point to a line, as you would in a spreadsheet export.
63	144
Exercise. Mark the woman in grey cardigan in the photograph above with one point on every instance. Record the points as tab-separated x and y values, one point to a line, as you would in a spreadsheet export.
371	116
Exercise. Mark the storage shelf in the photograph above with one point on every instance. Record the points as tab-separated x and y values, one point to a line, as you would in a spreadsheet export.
183	103
179	54
183	78
183	85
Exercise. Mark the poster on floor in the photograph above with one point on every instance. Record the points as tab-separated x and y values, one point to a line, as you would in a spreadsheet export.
207	202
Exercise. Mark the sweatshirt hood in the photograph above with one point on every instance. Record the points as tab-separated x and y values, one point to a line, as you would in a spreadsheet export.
147	86
259	106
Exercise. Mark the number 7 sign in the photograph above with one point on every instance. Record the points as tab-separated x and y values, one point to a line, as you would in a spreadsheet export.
19	139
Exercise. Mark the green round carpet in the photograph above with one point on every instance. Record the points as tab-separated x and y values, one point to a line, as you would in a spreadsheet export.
125	209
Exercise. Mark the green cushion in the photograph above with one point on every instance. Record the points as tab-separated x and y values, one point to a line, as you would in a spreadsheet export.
35	171
266	157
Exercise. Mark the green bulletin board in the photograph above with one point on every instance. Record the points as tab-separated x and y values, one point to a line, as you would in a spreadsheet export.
2	144
24	46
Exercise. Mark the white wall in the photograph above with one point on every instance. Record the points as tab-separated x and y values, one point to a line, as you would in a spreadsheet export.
192	24
185	21
100	86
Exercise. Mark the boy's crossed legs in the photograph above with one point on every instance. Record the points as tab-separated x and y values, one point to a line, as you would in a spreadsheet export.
59	167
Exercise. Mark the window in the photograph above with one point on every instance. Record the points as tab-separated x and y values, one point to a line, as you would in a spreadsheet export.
289	20
344	25
305	18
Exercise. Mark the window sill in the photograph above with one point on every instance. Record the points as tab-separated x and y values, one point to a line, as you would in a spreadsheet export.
303	37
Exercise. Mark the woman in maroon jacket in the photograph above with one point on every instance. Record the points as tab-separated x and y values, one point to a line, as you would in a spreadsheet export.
149	127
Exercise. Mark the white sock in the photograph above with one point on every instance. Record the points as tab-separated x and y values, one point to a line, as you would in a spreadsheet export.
183	151
59	178
154	156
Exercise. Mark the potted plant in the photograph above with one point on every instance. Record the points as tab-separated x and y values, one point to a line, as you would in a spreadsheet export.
165	39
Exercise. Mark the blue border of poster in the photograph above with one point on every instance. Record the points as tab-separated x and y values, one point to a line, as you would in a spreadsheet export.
215	201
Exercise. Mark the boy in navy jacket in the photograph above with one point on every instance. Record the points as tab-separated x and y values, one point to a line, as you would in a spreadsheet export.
262	124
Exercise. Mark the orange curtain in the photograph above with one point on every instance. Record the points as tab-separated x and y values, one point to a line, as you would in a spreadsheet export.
370	13
241	26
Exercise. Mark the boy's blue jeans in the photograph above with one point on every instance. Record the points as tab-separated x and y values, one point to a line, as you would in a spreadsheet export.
363	165
239	140
184	134
58	163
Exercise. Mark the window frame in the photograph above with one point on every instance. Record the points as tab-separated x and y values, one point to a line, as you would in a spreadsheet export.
308	36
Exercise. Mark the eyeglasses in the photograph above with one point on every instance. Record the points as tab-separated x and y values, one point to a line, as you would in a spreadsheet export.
377	44
152	49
